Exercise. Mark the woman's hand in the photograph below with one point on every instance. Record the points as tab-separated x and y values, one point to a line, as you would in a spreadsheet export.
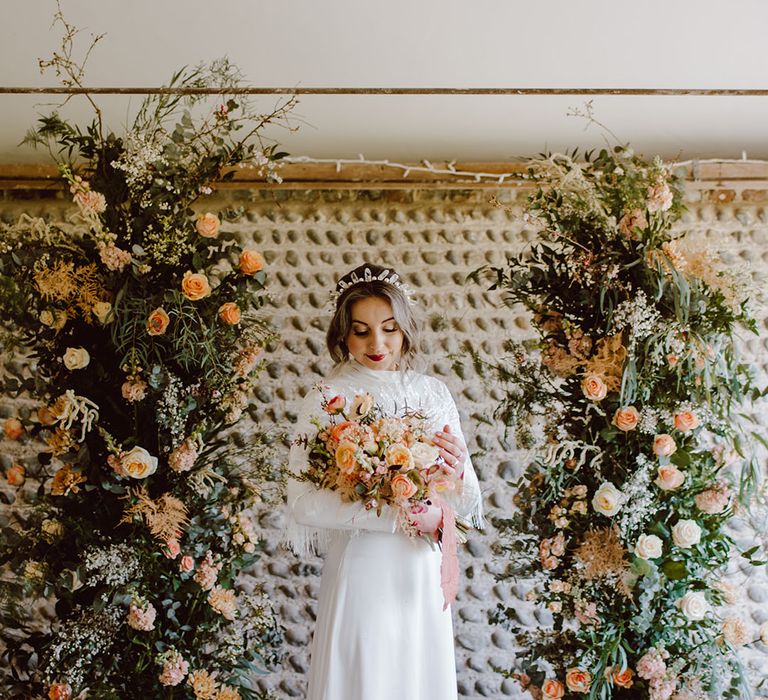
426	517
452	449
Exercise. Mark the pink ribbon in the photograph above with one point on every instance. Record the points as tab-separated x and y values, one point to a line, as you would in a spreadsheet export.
449	565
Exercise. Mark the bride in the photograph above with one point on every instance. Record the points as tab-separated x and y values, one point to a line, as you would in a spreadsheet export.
381	631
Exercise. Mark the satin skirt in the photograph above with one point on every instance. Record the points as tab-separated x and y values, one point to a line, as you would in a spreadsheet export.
381	632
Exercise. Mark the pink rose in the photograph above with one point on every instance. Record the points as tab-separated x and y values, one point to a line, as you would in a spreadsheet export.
685	421
594	387
626	418
335	405
552	690
664	445
186	564
172	548
669	477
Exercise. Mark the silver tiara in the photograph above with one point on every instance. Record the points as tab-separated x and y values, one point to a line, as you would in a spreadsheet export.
390	277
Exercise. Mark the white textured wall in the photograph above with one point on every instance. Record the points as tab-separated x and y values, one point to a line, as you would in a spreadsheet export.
434	239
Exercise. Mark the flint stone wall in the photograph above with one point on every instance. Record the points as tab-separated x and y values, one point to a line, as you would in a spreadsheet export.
434	238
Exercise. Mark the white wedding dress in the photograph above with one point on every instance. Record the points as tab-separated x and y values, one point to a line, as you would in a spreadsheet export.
381	631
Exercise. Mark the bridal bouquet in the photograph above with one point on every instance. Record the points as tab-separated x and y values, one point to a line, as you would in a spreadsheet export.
378	459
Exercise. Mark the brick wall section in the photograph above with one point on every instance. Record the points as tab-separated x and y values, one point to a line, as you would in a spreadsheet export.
434	239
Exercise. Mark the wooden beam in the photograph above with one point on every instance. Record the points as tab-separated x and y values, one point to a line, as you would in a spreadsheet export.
704	176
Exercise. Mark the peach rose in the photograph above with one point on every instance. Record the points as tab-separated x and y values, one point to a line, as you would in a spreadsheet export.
578	680
623	679
195	286
16	475
626	418
229	313
172	548
552	689
362	405
669	477
335	405
672	360
60	691
208	225
13	428
157	322
345	457
685	421
251	262
664	445
594	387
402	486
399	455
186	564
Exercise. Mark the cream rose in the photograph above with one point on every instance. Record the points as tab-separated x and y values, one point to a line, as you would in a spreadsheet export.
51	529
402	486
626	418
102	310
664	445
208	225
686	533
552	689
47	318
648	547
229	312
685	421
251	262
76	358
578	680
157	322
399	455
424	455
345	457
594	387
195	286
669	477
694	605
138	463
608	500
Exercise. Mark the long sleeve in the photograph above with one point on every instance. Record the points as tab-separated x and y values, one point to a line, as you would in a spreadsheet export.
468	503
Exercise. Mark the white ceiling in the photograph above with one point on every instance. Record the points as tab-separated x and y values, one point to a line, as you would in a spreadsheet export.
425	43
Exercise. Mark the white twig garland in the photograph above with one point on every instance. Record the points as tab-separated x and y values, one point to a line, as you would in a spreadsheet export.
450	171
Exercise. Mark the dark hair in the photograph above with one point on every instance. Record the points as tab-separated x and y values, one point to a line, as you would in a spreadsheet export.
367	285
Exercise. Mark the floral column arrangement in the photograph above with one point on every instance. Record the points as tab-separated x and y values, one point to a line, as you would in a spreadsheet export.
143	313
628	399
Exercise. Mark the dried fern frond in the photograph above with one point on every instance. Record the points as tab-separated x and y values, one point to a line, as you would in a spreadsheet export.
165	516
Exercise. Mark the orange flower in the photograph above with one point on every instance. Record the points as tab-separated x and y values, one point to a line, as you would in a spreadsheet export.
623	679
13	428
195	286
46	415
208	225
552	689
66	480
229	313
158	321
251	262
578	680
16	475
60	691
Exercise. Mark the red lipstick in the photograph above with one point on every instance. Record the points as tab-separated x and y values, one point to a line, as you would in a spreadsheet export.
375	358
